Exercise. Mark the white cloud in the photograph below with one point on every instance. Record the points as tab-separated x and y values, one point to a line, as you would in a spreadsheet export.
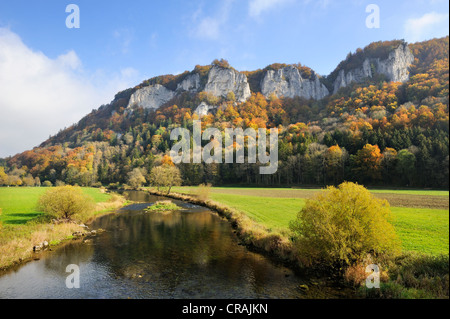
257	7
124	39
210	27
427	26
39	95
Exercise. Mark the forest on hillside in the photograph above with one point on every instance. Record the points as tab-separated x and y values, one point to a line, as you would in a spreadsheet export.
376	133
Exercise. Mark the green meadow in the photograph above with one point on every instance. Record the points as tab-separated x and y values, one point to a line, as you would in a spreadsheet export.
424	230
18	204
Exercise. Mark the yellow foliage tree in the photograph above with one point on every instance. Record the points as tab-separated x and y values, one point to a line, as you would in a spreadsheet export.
65	201
340	226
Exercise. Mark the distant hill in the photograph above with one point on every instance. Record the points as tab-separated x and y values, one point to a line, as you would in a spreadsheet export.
381	117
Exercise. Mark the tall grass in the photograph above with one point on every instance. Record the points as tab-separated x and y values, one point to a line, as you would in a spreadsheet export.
414	276
203	191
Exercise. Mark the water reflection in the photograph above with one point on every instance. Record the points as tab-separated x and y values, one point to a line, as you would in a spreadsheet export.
186	254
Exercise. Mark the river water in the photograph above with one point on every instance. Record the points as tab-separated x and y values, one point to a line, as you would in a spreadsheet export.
192	253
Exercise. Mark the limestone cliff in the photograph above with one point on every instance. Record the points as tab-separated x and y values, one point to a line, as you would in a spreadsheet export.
288	82
395	68
223	80
190	83
151	97
284	81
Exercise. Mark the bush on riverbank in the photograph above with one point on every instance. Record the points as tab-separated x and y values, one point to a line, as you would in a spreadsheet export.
65	201
340	226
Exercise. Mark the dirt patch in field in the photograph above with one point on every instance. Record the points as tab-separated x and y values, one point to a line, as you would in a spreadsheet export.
264	192
415	201
395	200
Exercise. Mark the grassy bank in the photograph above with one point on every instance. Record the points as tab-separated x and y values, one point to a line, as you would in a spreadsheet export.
24	226
420	272
421	229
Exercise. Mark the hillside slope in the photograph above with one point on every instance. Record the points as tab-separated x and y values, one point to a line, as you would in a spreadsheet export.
380	118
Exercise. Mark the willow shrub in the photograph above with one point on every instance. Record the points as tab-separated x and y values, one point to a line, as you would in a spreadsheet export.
65	201
340	226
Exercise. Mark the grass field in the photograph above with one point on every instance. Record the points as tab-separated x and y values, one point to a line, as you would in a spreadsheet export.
20	230
295	192
420	228
19	203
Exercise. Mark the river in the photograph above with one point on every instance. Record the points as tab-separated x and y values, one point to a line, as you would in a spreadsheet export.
192	253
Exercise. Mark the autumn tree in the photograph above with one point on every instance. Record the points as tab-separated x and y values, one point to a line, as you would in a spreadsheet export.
136	178
3	176
165	176
340	226
65	201
368	163
334	161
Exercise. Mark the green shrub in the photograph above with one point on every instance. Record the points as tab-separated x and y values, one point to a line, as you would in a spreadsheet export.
65	201
392	290
422	273
162	206
340	226
47	184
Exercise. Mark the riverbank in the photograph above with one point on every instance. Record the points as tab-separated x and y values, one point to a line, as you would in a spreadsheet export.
410	275
252	234
19	235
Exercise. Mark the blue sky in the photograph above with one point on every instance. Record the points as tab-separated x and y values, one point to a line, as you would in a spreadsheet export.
120	43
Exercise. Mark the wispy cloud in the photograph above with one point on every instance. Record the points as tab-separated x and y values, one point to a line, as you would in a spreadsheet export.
210	27
429	25
40	95
323	4
257	7
124	37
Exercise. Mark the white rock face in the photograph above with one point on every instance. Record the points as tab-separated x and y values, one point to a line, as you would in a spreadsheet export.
191	83
203	109
222	80
151	97
395	67
288	82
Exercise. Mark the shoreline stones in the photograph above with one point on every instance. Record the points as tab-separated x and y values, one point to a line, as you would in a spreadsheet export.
45	245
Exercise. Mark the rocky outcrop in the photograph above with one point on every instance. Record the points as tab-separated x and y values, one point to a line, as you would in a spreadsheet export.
203	109
288	82
191	83
395	68
151	97
285	82
223	80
